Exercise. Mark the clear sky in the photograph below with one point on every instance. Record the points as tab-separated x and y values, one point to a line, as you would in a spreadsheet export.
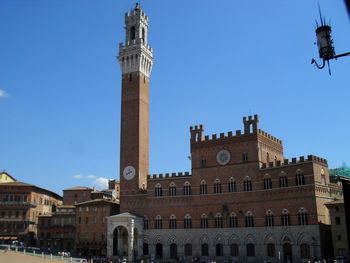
215	62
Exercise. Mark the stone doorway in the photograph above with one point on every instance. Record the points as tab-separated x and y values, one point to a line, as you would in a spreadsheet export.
120	241
287	253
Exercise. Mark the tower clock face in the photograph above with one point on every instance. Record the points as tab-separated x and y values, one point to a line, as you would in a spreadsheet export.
223	157
129	172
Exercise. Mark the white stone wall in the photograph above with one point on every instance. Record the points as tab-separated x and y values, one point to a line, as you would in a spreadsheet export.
259	236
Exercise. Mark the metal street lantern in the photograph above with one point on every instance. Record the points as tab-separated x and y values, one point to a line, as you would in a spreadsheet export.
325	42
325	45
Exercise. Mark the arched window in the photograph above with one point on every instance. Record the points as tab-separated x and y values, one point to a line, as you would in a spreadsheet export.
158	223
219	250
304	251
267	182
267	157
299	178
232	185
188	249
250	250
204	221
145	222
172	189
158	190
249	219
203	189
285	218
218	220
234	250
271	251
302	217
187	222
247	184
145	249
205	250
323	177
173	250
283	179
172	222
269	219
217	186
187	188
233	220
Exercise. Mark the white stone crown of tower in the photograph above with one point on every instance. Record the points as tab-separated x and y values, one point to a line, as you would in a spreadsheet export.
136	55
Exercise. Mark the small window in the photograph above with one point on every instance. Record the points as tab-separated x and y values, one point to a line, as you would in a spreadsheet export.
299	178
285	218
232	185
283	180
217	186
339	237
158	190
245	157
218	221
302	217
130	77
247	184
132	33
187	222
187	188
233	220
267	182
172	222
172	189
249	220
158	223
204	221
203	189
203	163
337	220
269	219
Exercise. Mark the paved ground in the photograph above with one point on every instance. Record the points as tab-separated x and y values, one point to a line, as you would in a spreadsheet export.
12	257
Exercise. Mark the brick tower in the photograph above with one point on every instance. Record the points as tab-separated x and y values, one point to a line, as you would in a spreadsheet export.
136	60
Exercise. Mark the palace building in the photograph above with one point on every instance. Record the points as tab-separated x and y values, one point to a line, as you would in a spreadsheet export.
243	199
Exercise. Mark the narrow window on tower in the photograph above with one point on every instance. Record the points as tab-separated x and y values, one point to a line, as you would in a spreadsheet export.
132	33
203	163
130	77
143	35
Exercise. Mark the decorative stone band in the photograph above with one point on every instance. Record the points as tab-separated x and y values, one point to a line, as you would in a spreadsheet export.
136	58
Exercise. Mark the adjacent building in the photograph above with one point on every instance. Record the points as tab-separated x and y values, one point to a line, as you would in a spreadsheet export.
6	178
91	226
20	206
56	231
339	228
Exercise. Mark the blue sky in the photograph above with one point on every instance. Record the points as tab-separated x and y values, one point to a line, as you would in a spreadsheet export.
215	62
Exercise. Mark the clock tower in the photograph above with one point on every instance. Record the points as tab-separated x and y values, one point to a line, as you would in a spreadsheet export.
136	60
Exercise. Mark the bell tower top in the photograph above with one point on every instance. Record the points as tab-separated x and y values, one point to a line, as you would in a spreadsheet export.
135	55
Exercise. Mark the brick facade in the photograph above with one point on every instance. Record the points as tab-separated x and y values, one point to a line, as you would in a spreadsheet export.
20	206
242	199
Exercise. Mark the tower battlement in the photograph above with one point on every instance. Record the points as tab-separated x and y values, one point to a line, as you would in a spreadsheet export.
197	132
135	55
269	136
293	161
136	11
168	175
